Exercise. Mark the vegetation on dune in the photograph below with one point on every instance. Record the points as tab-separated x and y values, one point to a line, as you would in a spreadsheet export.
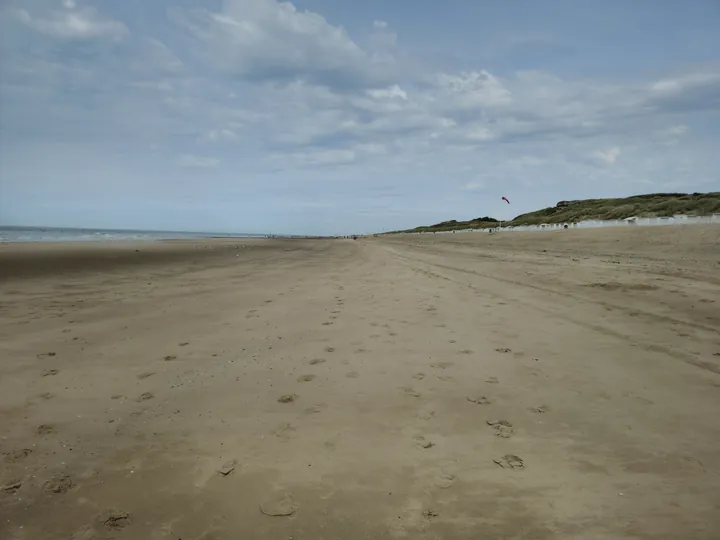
651	205
453	225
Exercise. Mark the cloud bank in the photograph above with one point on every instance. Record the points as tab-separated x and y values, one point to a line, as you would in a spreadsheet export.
267	116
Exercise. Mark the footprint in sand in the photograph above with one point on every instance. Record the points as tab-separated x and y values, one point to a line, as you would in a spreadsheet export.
541	409
146	375
329	349
50	372
444	481
492	380
426	415
479	400
46	395
46	355
316	361
306	378
503	428
330	444
227	468
17	455
422	442
503	350
58	484
419	376
445	378
510	461
45	429
117	396
12	487
287	398
113	520
442	365
279	506
466	351
411	392
170	358
146	396
352	375
284	431
315	408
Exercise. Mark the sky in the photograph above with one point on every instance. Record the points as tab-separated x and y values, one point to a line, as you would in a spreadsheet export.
341	116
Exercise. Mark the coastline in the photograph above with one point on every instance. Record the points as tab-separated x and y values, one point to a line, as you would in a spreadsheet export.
26	259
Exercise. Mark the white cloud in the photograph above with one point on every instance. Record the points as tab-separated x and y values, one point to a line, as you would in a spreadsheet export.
371	148
383	41
697	90
474	186
678	130
391	92
160	86
479	133
74	24
218	135
191	161
269	40
473	90
156	56
331	157
684	82
608	156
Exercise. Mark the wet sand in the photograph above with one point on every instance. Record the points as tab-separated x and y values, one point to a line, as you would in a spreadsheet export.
559	385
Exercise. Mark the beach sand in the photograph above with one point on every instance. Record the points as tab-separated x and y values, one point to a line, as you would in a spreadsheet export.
545	385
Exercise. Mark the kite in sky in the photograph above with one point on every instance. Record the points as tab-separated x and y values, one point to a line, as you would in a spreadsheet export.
506	200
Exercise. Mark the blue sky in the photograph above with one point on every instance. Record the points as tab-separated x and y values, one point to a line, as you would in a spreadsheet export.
340	116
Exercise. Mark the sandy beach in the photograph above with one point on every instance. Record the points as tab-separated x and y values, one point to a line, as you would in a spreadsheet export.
544	385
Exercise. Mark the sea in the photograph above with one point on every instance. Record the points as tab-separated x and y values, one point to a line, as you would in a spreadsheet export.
57	234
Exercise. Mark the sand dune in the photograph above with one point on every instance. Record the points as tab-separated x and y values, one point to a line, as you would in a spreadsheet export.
463	386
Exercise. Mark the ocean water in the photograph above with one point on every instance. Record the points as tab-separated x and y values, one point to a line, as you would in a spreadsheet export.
50	234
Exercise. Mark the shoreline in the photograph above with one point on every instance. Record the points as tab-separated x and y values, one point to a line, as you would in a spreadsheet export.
32	259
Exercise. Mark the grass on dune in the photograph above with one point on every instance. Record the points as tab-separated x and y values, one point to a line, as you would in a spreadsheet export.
651	205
